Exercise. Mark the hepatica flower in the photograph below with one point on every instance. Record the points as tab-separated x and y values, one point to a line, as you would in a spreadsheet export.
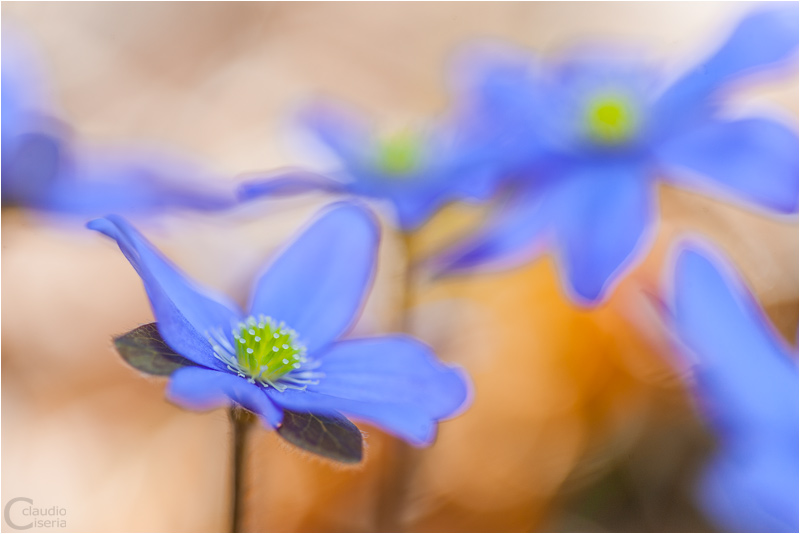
284	356
585	141
416	171
45	167
746	382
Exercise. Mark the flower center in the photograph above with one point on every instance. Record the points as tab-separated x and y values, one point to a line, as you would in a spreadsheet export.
610	119
266	352
400	153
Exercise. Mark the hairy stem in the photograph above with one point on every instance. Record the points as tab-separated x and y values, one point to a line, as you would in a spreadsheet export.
241	420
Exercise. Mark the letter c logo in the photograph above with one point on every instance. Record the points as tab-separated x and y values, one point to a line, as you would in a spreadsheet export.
7	513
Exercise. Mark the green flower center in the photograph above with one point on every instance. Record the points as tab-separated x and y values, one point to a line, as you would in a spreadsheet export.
399	154
266	352
610	119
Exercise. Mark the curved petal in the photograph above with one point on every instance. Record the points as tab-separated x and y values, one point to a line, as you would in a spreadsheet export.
395	382
508	239
289	183
317	285
747	381
762	39
601	212
185	313
200	389
755	159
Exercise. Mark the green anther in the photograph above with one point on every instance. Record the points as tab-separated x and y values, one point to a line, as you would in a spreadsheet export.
266	351
399	154
610	119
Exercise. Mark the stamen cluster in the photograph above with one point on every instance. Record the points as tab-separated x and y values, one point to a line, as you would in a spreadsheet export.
610	119
266	352
399	154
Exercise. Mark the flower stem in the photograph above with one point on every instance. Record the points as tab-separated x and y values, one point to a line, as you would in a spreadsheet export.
241	420
402	459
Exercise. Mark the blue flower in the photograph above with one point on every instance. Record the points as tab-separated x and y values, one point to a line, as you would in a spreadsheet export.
585	142
286	351
746	382
416	171
45	167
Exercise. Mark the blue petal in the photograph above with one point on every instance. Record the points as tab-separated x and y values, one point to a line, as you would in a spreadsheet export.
200	389
288	183
33	162
747	385
505	103
416	203
341	130
129	180
507	240
761	40
318	284
393	382
601	212
755	159
747	380
396	369
185	313
752	492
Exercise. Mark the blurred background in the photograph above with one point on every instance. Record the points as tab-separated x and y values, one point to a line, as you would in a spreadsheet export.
580	421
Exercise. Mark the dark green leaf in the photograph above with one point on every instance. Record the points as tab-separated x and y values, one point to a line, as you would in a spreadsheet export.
146	350
333	437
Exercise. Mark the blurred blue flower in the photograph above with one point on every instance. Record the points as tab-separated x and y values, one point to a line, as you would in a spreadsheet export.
44	167
746	382
285	352
416	171
585	141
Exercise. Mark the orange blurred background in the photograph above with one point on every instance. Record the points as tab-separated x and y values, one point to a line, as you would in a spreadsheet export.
579	421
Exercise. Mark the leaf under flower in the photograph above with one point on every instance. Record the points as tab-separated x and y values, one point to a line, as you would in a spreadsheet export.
331	436
145	350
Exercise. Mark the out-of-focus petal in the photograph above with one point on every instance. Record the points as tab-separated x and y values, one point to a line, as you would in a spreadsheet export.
32	164
754	159
317	285
152	179
761	40
393	382
200	389
185	313
507	240
341	130
747	386
289	183
746	378
504	101
414	205
601	211
756	491
24	84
